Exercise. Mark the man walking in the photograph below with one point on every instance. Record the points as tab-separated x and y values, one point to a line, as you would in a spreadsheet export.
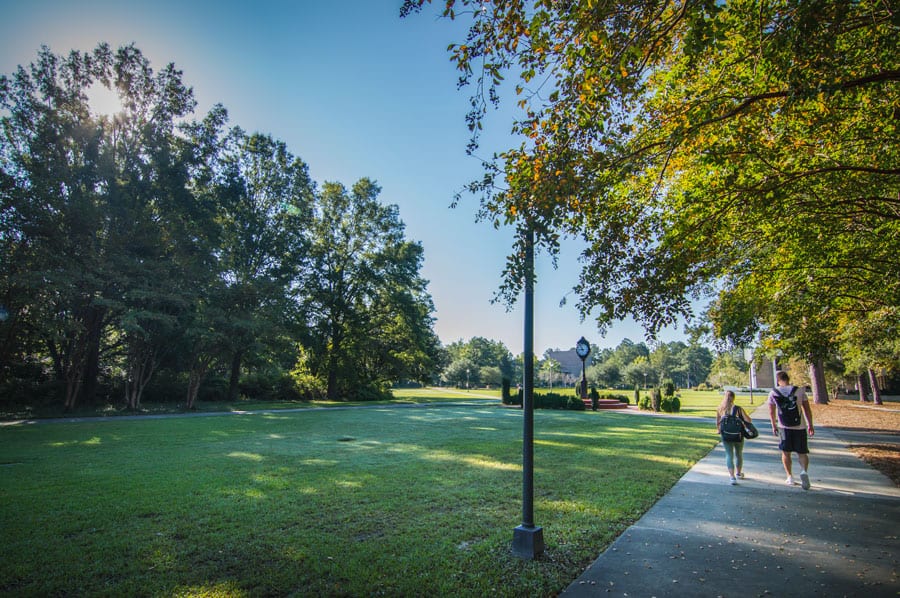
795	418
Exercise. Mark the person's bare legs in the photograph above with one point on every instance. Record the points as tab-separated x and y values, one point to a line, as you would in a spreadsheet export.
803	459
786	461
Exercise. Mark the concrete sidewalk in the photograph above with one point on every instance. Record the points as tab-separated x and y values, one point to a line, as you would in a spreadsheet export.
761	537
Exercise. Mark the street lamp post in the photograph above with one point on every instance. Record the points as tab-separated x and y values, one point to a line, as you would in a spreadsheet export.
583	349
528	539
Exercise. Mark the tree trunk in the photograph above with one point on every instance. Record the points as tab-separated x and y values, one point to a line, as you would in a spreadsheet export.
73	386
143	364
817	380
861	386
233	389
198	372
94	322
876	392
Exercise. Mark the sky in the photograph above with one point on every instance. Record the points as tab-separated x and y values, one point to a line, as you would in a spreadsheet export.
354	91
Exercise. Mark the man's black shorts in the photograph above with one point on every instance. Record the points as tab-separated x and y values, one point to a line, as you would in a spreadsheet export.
794	441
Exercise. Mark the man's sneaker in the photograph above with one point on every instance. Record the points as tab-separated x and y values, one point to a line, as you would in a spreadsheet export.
804	480
789	481
734	481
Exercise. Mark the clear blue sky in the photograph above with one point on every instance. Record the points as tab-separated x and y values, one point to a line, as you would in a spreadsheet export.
355	92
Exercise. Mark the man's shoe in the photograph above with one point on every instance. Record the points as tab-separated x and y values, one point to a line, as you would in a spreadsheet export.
804	480
789	481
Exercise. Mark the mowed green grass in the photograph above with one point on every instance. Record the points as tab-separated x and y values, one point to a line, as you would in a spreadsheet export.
409	501
694	403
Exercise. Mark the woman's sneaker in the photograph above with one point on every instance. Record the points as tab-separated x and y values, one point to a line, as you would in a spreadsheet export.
734	481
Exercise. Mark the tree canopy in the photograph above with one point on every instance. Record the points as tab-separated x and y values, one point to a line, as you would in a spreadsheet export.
744	151
144	241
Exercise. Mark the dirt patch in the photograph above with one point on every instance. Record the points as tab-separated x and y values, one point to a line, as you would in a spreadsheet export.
866	417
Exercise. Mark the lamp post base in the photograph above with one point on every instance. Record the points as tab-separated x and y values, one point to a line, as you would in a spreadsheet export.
528	542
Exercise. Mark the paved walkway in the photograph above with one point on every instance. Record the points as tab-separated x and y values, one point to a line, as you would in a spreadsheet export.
762	537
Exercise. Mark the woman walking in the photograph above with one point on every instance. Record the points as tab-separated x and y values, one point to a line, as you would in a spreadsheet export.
729	426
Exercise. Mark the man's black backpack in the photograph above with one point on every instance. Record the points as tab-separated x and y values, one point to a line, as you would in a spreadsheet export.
788	410
731	427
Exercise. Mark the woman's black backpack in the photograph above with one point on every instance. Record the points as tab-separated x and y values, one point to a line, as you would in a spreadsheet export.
731	427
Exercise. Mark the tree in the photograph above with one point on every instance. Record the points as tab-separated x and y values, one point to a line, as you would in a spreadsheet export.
91	203
639	372
692	143
693	363
605	374
550	371
484	353
462	373
366	309
727	370
264	199
871	344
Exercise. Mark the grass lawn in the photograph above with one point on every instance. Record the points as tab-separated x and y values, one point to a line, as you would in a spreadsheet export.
381	500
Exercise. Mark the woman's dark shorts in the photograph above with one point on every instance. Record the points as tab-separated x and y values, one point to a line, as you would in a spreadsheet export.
794	441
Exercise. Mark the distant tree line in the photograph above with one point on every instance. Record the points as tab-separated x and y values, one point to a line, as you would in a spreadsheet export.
483	362
142	248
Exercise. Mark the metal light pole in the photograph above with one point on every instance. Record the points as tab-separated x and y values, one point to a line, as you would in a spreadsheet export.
528	539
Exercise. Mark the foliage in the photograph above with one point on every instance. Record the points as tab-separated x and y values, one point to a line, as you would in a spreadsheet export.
728	369
670	403
143	243
480	352
741	149
644	403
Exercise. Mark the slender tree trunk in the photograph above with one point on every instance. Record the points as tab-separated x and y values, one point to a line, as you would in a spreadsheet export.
817	380
94	322
92	361
876	392
141	370
234	380
73	387
861	385
56	357
197	374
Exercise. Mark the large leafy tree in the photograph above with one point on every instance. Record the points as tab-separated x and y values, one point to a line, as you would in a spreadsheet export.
365	306
97	221
483	353
264	199
747	143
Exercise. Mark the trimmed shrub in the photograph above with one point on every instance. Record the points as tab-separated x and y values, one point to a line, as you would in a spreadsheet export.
645	403
505	398
671	404
575	404
668	388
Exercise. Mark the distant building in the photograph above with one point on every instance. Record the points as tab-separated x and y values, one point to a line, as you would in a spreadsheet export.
570	364
762	373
